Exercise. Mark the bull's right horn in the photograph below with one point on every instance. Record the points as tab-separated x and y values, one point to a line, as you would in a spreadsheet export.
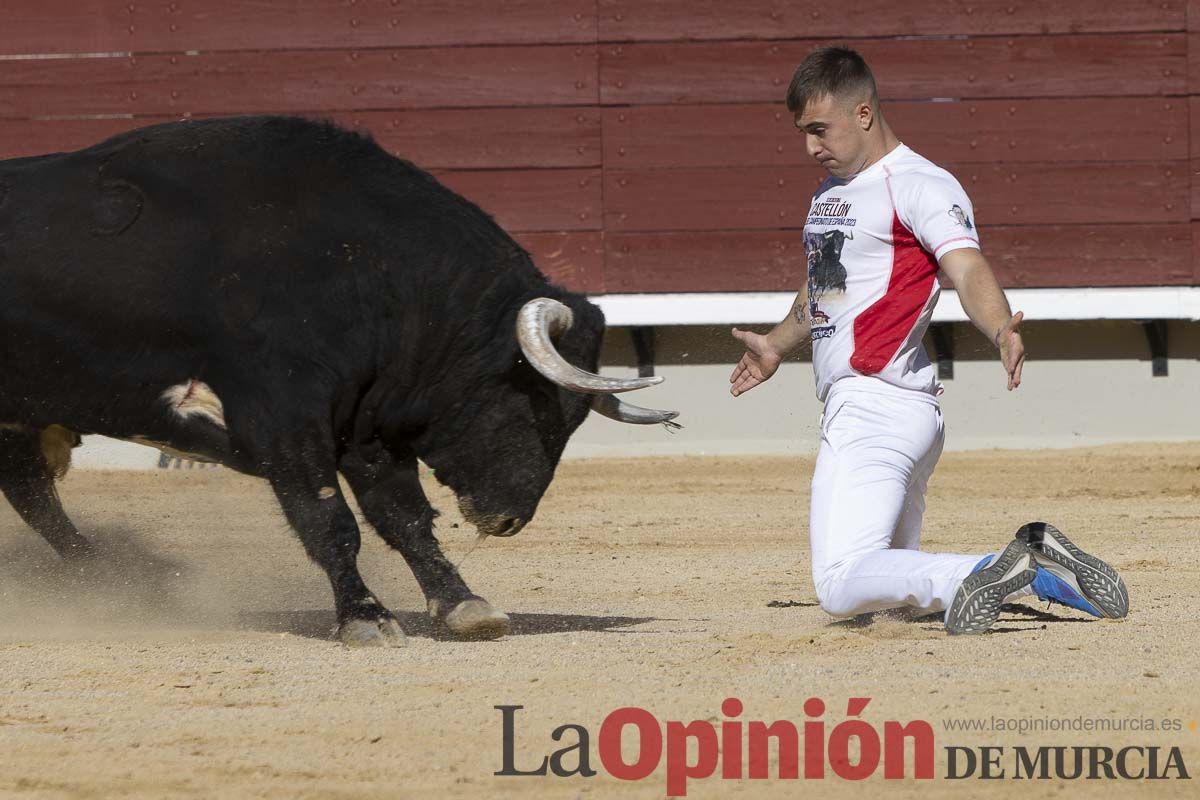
618	409
542	318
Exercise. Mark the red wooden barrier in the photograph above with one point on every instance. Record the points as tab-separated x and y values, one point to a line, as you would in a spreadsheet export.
157	26
1028	256
490	138
1020	66
574	260
534	200
1151	129
662	159
673	20
769	197
299	81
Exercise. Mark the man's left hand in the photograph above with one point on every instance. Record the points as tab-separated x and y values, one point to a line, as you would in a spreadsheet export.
1012	349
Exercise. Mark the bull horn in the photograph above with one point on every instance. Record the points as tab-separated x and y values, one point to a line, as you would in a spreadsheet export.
618	409
542	318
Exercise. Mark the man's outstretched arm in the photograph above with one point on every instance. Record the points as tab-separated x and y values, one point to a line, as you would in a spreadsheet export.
765	352
985	304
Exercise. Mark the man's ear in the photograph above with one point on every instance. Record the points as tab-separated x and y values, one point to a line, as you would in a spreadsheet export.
864	115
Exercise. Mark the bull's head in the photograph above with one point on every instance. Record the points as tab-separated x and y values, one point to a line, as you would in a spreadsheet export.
501	464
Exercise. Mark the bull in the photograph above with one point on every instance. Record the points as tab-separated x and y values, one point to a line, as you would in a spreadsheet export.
284	297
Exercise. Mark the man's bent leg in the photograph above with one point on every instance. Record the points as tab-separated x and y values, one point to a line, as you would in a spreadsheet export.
871	451
908	530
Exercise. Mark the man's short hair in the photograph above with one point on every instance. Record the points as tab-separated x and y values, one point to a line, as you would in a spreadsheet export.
836	71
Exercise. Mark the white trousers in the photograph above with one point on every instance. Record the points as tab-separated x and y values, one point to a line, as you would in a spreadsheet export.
879	445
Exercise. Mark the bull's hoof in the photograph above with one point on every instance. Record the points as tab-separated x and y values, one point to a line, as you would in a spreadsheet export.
379	632
476	619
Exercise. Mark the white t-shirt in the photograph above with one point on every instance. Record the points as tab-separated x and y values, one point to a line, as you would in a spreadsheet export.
873	242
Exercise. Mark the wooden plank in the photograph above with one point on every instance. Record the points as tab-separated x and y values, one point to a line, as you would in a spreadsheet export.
92	26
673	20
1193	62
708	261
1058	130
1195	253
1077	193
572	260
305	82
26	137
764	197
65	26
533	200
708	199
1021	66
491	138
1090	255
1072	129
1194	186
701	135
1023	256
487	138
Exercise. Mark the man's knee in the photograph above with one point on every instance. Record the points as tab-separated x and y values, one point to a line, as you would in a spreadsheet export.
834	599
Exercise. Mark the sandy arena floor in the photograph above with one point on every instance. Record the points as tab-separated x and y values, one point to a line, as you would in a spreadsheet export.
204	667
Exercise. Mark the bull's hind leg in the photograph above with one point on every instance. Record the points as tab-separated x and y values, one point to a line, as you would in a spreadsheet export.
307	488
27	482
390	495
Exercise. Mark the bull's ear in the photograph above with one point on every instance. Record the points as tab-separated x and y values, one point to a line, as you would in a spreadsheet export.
117	206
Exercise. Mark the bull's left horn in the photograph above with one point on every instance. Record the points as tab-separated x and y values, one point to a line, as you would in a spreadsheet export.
542	318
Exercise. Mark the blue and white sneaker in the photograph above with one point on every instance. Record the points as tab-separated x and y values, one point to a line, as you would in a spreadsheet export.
1072	577
976	604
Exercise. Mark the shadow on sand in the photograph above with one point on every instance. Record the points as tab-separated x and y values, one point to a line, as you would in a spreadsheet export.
321	624
1014	618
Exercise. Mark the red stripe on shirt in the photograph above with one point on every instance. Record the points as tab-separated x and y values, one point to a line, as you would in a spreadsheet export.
886	324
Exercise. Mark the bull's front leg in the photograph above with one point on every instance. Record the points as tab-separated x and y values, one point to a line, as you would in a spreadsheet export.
390	495
317	510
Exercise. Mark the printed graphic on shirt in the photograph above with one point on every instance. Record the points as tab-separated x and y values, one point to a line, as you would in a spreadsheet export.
960	216
825	274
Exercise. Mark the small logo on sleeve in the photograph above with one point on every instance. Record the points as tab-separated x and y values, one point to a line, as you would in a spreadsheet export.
960	217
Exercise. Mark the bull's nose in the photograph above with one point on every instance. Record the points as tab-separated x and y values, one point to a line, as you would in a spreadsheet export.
509	527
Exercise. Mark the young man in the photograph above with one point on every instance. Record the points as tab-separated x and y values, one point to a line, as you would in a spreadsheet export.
881	231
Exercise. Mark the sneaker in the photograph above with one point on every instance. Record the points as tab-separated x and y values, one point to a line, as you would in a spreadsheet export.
976	604
1070	576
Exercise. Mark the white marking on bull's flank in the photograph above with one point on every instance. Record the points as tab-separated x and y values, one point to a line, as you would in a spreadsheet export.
326	492
196	399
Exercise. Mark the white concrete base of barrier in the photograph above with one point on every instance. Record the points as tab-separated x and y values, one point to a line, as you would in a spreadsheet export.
752	308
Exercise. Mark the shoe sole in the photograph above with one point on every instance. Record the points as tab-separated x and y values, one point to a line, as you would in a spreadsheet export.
976	604
1098	582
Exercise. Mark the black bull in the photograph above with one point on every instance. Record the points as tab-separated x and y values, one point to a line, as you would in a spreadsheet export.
287	299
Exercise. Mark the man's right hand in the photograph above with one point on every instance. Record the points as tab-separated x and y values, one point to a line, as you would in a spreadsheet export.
759	362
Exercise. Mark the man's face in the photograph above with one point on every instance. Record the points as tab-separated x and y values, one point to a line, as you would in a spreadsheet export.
835	133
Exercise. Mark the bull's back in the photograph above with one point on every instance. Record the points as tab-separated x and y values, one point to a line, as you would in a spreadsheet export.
222	249
176	249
